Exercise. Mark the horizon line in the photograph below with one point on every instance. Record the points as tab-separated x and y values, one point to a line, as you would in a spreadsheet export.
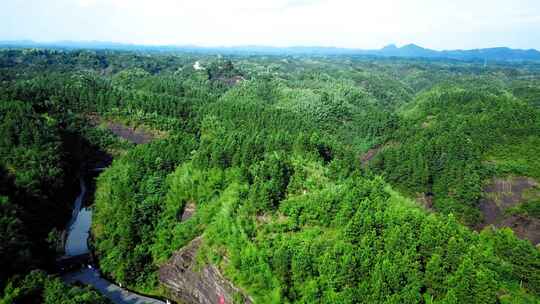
59	42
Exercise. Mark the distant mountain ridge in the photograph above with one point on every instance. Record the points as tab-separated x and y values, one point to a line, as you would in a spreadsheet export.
406	51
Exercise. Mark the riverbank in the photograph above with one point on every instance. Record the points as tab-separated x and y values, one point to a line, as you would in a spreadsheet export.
115	293
77	245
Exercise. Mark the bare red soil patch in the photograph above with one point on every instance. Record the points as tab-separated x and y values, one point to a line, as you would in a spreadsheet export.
134	135
129	133
523	226
503	193
231	81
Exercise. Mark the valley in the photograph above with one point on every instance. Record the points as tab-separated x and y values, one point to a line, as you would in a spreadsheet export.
291	178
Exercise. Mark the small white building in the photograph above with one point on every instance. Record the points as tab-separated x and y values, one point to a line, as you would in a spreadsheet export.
197	66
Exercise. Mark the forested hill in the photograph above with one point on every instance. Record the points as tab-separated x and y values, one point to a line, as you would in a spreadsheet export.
406	51
292	179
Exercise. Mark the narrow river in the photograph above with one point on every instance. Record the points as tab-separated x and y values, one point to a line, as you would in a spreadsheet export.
77	244
79	226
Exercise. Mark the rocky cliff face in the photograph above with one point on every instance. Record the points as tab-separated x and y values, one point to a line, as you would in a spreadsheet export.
195	285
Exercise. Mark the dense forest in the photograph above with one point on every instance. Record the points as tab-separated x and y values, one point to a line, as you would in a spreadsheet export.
308	179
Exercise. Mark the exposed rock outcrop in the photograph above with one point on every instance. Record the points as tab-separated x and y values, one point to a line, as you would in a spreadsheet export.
369	155
426	200
192	284
189	210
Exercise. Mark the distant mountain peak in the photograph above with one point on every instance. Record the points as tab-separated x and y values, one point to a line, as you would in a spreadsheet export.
408	50
390	47
412	46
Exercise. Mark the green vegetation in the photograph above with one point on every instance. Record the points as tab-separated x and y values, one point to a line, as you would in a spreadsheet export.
32	170
301	171
38	287
133	188
446	137
530	208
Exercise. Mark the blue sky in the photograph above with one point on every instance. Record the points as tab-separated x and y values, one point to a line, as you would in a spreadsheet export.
450	24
